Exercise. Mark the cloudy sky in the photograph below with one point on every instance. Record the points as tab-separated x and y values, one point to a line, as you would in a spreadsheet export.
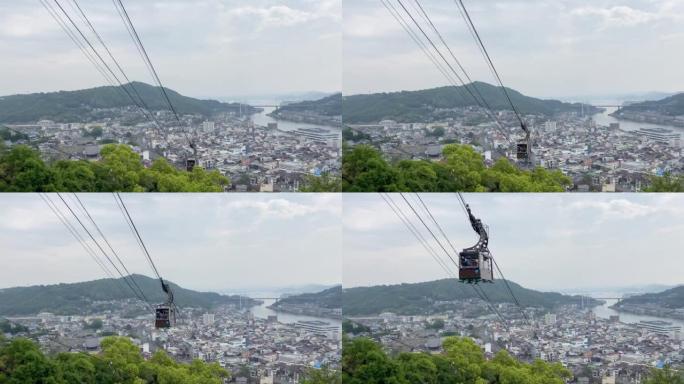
200	241
203	48
543	48
541	241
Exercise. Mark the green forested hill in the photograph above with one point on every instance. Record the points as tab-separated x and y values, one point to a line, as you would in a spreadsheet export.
66	106
411	299
74	298
327	106
670	106
329	298
413	106
671	298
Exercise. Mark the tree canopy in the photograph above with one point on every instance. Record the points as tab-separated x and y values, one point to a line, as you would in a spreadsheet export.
665	376
323	183
462	361
667	183
119	170
462	169
22	362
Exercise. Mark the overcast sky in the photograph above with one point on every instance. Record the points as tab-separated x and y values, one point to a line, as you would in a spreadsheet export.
540	47
201	48
200	241
541	241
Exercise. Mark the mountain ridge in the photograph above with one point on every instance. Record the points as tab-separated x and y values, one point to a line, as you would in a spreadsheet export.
72	298
327	298
672	298
412	106
69	106
668	106
417	298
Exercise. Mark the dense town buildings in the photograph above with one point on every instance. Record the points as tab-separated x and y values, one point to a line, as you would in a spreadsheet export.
595	349
254	349
597	157
255	157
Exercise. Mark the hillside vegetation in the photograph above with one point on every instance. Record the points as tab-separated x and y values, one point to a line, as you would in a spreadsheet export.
462	361
418	298
119	170
669	106
420	106
672	298
75	298
327	106
462	169
120	362
68	106
329	298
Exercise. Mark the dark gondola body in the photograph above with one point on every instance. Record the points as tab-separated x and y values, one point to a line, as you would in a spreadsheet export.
475	266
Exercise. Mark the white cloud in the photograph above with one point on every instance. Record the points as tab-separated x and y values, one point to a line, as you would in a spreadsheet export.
202	241
619	15
581	47
274	16
203	48
540	240
617	208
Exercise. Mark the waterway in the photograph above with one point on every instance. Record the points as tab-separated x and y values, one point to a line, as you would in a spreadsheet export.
263	119
604	118
262	311
605	312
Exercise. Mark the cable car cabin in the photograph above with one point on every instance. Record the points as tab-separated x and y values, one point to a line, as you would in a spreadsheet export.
476	266
164	317
522	151
190	164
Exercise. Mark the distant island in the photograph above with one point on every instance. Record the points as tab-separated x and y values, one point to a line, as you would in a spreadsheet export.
326	111
668	303
437	296
668	111
327	303
435	104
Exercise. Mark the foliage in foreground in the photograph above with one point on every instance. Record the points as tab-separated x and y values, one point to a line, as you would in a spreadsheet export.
120	361
666	183
120	169
462	169
322	376
364	361
665	376
462	361
323	183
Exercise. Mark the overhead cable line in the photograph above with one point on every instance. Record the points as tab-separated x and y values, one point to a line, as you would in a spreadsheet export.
101	59
409	30
74	38
480	292
488	110
453	56
510	290
137	295
147	254
488	59
134	34
439	227
116	62
53	207
429	230
491	305
414	231
116	255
